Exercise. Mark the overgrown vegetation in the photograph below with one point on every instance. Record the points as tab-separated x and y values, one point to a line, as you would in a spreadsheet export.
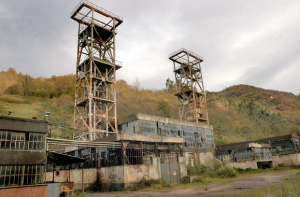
198	180
200	170
238	113
146	183
226	172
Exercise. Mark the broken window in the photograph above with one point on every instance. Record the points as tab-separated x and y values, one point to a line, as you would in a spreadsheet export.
12	175
21	140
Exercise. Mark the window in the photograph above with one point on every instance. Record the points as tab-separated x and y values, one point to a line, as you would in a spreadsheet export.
5	139
17	141
21	140
158	131
36	141
12	175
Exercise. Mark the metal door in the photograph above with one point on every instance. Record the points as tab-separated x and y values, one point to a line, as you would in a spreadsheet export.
170	172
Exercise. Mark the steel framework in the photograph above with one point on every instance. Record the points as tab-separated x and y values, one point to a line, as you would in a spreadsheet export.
190	88
95	113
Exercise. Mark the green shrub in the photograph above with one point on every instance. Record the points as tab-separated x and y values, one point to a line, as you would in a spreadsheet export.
248	170
217	164
198	180
165	184
185	179
145	183
226	172
197	170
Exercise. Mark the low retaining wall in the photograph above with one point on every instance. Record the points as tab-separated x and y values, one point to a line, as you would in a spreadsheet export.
243	165
287	160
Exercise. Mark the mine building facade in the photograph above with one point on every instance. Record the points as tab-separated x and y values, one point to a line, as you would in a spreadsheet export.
152	147
277	151
245	155
285	149
198	139
22	153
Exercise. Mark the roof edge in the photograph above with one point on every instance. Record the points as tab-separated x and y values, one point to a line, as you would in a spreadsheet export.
141	116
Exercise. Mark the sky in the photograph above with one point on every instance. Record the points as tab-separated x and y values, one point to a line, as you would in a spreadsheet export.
253	42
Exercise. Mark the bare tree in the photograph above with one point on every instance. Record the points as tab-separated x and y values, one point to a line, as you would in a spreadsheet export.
137	84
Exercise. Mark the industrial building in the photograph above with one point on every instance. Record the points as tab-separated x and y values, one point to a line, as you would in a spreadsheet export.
285	149
23	156
274	151
152	147
245	155
24	159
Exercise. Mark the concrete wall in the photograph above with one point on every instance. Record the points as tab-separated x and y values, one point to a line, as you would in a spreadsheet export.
287	160
22	157
90	176
183	170
134	173
114	174
243	165
204	158
115	177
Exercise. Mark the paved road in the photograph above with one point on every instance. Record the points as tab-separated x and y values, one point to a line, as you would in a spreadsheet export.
214	189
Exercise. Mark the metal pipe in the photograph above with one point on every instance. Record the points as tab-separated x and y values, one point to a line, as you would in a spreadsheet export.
82	177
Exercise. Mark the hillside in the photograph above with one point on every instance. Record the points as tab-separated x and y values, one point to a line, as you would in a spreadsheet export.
237	113
244	112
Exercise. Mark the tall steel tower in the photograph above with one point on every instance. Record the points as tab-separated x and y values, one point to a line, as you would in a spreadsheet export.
190	88
95	113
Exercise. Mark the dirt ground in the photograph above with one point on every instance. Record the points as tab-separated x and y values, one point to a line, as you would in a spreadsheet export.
214	189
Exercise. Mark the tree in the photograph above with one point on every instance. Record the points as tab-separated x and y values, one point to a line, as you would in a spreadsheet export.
8	79
137	84
165	109
26	83
170	84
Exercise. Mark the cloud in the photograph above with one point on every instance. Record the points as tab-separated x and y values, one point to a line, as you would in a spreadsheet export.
251	42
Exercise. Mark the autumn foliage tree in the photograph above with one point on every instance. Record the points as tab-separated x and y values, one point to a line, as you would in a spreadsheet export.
20	84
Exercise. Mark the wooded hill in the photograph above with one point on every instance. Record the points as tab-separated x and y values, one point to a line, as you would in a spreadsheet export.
237	113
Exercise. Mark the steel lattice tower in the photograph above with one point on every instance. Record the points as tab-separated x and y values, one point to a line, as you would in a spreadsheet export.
190	88
95	113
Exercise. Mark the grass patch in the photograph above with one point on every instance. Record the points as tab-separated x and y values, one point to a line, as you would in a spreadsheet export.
79	194
15	99
225	174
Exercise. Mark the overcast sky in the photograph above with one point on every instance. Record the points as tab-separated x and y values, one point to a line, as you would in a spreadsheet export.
252	42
